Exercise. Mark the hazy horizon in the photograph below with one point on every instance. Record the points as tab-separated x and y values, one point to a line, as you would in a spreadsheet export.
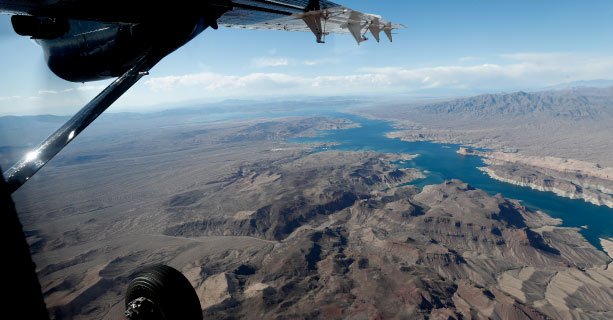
393	98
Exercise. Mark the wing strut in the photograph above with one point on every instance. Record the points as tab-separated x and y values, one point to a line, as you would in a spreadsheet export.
23	170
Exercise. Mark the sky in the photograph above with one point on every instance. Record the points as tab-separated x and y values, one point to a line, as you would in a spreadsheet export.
449	48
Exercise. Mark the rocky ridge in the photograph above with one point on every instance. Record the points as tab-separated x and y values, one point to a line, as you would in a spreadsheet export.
570	179
543	182
382	250
448	251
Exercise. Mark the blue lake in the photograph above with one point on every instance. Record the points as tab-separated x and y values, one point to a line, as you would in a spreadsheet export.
441	162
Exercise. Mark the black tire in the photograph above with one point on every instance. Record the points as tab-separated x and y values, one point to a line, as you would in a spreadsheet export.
169	290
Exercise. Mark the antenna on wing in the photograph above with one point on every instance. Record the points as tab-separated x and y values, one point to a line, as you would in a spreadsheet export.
375	28
388	31
355	26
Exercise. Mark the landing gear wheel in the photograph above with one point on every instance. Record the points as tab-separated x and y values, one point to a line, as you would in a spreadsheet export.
171	294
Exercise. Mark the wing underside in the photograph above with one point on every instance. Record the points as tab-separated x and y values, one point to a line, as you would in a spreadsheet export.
319	17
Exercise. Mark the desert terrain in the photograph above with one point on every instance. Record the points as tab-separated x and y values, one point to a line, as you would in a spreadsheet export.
265	228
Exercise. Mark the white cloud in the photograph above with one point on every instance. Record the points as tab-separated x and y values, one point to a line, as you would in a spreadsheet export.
64	101
89	87
10	98
318	62
539	56
214	82
525	71
269	62
46	92
268	83
513	72
468	59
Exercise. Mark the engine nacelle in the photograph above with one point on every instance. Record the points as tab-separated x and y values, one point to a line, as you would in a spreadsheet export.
40	28
91	51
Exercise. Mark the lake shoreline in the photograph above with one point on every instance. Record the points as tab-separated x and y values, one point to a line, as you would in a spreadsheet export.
441	162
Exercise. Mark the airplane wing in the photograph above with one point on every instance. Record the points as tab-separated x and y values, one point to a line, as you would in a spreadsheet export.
320	17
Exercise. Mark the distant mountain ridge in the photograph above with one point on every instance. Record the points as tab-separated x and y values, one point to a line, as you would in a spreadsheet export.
573	103
596	83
